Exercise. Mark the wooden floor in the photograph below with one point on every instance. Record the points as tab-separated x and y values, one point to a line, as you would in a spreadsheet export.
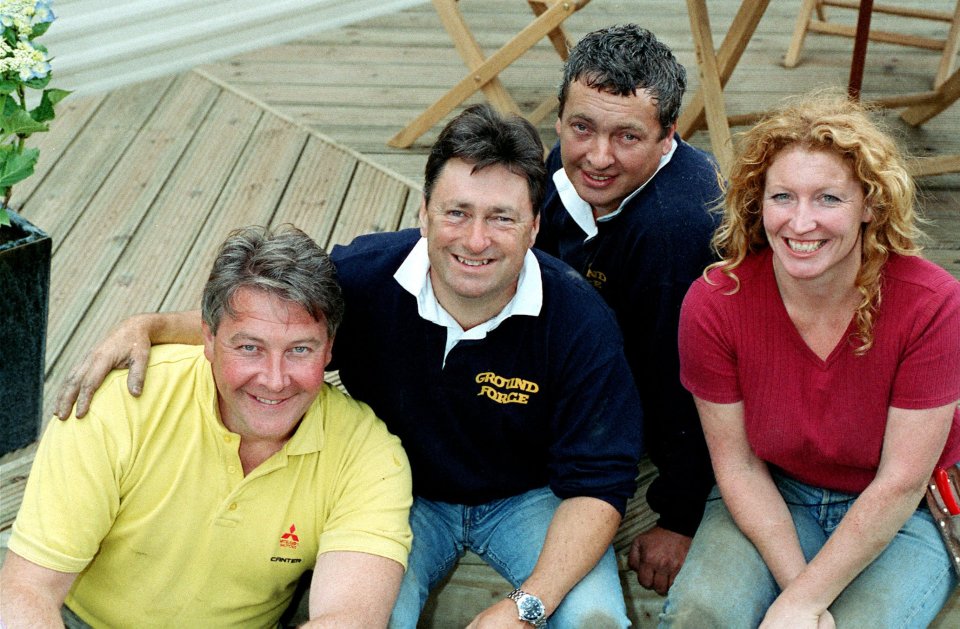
139	185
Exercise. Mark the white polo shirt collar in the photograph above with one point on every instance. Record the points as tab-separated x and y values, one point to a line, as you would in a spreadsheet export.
414	276
581	212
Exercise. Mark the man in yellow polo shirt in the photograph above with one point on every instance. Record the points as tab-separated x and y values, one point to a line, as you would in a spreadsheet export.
203	501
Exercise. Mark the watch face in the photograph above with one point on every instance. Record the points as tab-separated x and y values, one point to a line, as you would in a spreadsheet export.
531	609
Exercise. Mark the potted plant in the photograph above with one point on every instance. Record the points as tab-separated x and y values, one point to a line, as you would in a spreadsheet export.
26	107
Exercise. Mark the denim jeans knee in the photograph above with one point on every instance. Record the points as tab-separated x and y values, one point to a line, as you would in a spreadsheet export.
510	540
906	586
724	582
508	534
435	550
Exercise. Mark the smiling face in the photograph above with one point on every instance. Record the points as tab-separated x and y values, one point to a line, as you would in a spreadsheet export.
479	227
813	212
610	145
268	362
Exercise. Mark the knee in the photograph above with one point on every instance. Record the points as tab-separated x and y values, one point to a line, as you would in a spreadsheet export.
595	616
597	601
410	600
704	603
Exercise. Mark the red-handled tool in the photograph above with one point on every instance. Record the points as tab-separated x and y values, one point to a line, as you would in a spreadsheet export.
942	481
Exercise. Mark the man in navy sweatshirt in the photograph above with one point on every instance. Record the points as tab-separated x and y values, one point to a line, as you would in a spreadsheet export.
501	370
627	205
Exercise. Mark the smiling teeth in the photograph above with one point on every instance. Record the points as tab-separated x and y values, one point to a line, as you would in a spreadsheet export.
268	402
805	246
472	262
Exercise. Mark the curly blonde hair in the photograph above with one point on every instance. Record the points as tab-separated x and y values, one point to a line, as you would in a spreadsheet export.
832	122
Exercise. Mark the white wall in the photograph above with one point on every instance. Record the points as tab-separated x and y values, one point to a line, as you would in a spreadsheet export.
98	45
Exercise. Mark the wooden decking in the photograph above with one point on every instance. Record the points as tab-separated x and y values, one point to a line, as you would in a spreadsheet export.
137	186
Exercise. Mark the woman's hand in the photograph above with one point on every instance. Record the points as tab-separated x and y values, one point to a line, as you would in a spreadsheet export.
788	616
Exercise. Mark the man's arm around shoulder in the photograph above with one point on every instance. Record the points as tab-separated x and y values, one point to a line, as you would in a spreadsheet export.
127	346
353	589
31	595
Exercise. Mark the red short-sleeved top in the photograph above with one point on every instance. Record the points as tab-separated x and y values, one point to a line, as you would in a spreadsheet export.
822	421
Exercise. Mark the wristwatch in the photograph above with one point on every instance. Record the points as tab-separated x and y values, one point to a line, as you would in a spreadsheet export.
530	608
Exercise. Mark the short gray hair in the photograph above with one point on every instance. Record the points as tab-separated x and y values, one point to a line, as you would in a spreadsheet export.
287	264
622	59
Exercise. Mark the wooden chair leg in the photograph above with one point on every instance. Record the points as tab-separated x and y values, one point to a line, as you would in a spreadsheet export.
558	37
950	48
741	30
800	31
946	95
487	71
471	53
711	85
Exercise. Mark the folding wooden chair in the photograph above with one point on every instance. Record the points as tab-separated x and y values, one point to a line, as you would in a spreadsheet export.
949	44
483	71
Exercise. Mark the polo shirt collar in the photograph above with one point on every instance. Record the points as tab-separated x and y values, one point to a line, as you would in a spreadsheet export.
414	276
581	212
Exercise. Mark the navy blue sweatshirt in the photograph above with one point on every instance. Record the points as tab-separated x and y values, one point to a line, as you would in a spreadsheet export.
642	262
543	400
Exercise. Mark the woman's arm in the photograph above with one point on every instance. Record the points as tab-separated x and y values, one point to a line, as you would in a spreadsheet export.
912	443
127	346
749	492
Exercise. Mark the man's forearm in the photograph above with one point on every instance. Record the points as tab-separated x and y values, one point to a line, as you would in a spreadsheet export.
172	327
24	608
30	595
580	532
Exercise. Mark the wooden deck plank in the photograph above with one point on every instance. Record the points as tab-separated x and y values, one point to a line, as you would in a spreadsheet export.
250	196
13	478
411	211
318	188
72	117
115	212
375	203
78	174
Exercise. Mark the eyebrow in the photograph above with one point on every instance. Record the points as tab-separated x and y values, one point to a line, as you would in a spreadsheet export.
241	337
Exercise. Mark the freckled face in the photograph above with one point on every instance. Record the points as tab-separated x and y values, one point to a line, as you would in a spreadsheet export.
610	145
268	363
478	226
813	212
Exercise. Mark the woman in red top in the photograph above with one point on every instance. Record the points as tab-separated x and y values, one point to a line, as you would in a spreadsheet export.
822	352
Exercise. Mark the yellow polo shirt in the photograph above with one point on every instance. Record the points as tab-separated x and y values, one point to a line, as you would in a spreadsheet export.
145	498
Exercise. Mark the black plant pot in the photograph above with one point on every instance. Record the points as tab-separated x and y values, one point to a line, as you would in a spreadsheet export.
24	297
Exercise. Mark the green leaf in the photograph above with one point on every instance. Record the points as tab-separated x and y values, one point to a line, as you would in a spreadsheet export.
15	167
44	111
57	95
4	217
20	122
38	84
10	35
8	87
40	29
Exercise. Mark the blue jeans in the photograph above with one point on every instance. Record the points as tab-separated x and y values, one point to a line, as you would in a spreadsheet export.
725	582
508	534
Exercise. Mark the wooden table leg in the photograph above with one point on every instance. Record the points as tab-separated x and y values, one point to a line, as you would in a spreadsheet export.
471	53
487	71
711	85
741	30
